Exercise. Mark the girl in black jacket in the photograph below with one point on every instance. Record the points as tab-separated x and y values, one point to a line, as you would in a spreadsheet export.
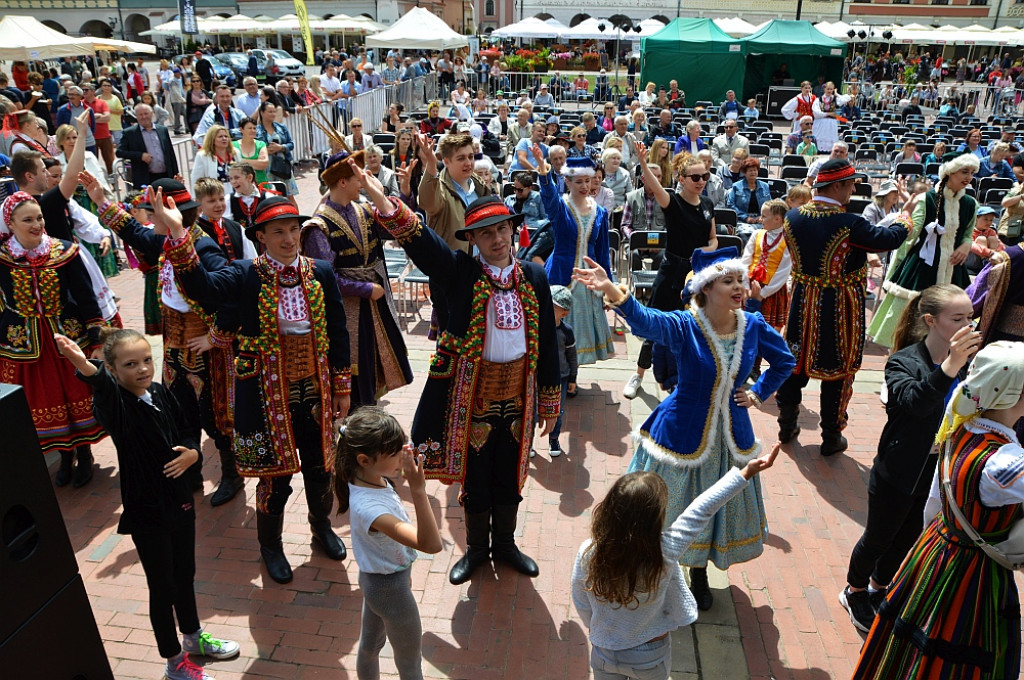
933	343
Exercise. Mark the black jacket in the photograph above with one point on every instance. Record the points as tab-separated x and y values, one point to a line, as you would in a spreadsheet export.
132	146
917	393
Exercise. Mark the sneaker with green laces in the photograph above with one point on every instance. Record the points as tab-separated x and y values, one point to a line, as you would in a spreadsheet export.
202	643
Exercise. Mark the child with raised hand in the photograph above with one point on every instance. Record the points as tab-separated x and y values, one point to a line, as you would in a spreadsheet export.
627	584
373	449
153	451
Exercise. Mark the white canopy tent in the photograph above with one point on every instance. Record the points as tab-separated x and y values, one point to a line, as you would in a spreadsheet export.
418	29
25	38
531	28
735	26
587	30
112	45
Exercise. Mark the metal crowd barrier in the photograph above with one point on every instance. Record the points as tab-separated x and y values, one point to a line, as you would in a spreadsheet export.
371	107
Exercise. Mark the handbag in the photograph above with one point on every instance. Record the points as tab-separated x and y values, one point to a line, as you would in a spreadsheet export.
1008	553
280	167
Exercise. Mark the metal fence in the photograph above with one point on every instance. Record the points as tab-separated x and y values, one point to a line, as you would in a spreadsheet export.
371	107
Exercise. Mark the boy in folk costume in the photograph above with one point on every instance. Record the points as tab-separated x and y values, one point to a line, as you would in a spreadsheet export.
343	231
186	320
247	195
769	263
800	106
496	365
825	331
291	370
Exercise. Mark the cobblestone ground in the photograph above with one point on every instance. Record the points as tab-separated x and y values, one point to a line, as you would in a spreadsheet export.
777	617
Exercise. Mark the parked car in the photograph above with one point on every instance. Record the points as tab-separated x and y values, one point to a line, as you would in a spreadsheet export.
287	64
221	71
238	62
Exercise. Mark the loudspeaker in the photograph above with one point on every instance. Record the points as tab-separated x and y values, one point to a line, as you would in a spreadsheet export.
44	598
59	642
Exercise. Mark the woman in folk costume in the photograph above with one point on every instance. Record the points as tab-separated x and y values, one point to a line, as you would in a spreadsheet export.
800	106
344	232
702	429
22	128
291	368
936	248
952	610
580	227
826	117
45	289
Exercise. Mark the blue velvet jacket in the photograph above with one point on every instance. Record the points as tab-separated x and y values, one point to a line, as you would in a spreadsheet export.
563	258
682	429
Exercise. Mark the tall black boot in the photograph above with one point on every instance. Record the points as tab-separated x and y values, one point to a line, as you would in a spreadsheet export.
67	461
230	481
83	469
788	426
268	530
320	502
700	588
478	530
503	518
832	442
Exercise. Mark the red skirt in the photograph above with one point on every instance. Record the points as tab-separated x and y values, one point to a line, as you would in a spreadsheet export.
61	404
775	309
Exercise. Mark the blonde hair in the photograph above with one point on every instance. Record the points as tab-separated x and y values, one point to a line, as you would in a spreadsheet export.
211	137
62	133
776	207
664	164
610	153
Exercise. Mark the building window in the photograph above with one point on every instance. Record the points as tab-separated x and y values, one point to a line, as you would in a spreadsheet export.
869	1
940	2
901	2
489	8
979	2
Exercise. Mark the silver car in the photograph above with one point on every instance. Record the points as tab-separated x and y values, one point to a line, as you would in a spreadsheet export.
287	65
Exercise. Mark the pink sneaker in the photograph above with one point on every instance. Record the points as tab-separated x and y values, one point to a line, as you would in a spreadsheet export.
186	670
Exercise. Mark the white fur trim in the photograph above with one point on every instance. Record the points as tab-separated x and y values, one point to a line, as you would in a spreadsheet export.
577	172
666	456
965	160
947	242
899	291
715	271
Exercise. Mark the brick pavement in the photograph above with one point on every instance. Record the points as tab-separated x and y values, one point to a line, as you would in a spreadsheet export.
776	617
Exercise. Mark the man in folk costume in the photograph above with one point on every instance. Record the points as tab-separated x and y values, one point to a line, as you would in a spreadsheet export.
291	371
825	331
495	369
800	105
188	367
343	231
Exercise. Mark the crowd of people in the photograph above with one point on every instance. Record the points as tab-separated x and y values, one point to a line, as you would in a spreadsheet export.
280	336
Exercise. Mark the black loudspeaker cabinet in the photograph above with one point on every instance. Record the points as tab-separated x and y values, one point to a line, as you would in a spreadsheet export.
59	642
777	98
37	565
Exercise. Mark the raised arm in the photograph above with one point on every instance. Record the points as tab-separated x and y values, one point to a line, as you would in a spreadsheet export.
76	162
660	194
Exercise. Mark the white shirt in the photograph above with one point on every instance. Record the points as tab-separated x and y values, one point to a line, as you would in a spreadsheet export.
329	84
375	552
292	310
505	339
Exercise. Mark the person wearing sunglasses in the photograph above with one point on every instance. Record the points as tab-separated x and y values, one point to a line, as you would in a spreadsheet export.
689	225
724	144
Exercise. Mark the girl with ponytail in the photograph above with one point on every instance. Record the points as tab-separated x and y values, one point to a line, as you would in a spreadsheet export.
372	451
932	344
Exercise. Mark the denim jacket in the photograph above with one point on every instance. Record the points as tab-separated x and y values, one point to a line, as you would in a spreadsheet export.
739	197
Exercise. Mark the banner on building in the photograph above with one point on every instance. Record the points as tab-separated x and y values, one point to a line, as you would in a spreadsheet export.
187	17
307	34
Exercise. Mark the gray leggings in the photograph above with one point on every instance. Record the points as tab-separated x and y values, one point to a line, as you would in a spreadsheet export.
389	611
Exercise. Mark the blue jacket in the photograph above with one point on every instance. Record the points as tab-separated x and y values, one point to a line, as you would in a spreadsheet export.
681	426
739	197
683	144
64	116
1003	169
532	208
563	258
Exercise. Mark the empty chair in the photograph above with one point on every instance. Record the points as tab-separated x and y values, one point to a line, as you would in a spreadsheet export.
726	217
794	173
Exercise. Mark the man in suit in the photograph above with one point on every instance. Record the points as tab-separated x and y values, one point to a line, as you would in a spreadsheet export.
724	144
149	149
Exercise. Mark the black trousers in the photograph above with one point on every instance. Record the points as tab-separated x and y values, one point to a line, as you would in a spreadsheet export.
666	292
835	397
304	405
169	560
187	376
895	520
492	468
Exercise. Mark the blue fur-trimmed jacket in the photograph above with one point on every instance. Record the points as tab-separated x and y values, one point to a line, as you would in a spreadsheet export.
681	429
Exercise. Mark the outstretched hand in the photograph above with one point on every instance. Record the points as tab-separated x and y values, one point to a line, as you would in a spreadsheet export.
538	157
166	216
92	187
374	189
425	150
594	277
761	463
641	153
405	174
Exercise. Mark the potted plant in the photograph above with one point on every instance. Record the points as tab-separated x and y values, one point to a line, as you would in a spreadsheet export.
591	61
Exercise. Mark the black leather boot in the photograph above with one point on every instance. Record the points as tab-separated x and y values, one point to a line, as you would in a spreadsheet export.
700	588
320	502
788	427
478	531
268	530
83	468
230	481
67	461
504	547
832	442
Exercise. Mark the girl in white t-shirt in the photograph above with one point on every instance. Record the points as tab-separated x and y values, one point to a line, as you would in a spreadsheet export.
373	449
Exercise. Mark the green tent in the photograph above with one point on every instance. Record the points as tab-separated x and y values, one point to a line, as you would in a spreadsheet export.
705	60
806	51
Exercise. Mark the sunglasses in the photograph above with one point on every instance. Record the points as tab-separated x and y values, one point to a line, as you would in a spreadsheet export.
357	126
700	178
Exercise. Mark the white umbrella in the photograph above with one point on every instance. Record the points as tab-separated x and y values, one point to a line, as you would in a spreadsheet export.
529	28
